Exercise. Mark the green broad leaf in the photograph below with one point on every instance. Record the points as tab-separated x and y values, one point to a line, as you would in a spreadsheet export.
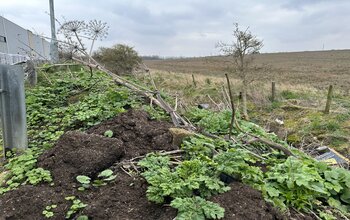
108	133
110	178
347	180
333	187
69	198
83	179
330	175
345	196
272	191
98	183
106	173
337	204
83	217
318	187
326	216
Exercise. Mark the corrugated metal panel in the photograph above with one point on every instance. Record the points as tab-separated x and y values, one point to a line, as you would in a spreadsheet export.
3	45
21	41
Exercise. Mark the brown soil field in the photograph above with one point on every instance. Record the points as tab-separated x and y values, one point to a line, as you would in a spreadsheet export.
317	68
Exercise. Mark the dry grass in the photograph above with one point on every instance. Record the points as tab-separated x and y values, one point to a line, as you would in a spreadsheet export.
259	92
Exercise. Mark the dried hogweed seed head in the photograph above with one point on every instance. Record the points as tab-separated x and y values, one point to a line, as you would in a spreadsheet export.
71	27
97	29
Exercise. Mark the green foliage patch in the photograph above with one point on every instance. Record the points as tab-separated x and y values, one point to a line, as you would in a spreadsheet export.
51	112
297	181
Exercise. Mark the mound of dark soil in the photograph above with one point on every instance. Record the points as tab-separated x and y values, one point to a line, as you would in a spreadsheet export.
126	199
138	132
28	202
243	202
77	153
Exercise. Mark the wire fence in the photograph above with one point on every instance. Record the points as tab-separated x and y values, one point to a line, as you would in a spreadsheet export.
12	58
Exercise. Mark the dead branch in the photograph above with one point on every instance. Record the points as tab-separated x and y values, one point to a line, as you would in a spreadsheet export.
171	152
273	145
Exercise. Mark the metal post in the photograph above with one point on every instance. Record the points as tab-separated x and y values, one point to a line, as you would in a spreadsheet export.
12	107
54	43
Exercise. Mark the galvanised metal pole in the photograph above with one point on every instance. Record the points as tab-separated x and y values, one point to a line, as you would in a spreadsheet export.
12	107
54	43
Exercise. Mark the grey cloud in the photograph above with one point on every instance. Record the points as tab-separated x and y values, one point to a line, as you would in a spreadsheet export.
192	27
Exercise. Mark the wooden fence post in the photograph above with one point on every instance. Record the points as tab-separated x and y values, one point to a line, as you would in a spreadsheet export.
194	81
273	91
329	99
240	95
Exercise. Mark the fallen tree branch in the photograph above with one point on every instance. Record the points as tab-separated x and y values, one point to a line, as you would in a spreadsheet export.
273	145
176	118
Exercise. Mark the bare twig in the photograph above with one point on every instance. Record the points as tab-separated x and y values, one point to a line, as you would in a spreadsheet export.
153	83
171	152
226	97
273	145
218	107
125	171
175	108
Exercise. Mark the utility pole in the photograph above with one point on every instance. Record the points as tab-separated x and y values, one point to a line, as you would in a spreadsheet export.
54	43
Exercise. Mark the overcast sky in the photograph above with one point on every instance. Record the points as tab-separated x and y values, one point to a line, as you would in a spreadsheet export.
193	27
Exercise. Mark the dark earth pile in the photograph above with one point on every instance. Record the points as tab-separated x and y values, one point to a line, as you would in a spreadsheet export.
77	153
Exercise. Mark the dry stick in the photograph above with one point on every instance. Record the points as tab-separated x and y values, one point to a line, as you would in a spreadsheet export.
257	138
271	144
125	171
47	78
174	116
226	96
217	105
153	83
57	64
175	107
171	152
232	106
116	78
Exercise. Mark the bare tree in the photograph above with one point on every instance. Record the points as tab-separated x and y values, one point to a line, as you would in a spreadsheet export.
243	45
